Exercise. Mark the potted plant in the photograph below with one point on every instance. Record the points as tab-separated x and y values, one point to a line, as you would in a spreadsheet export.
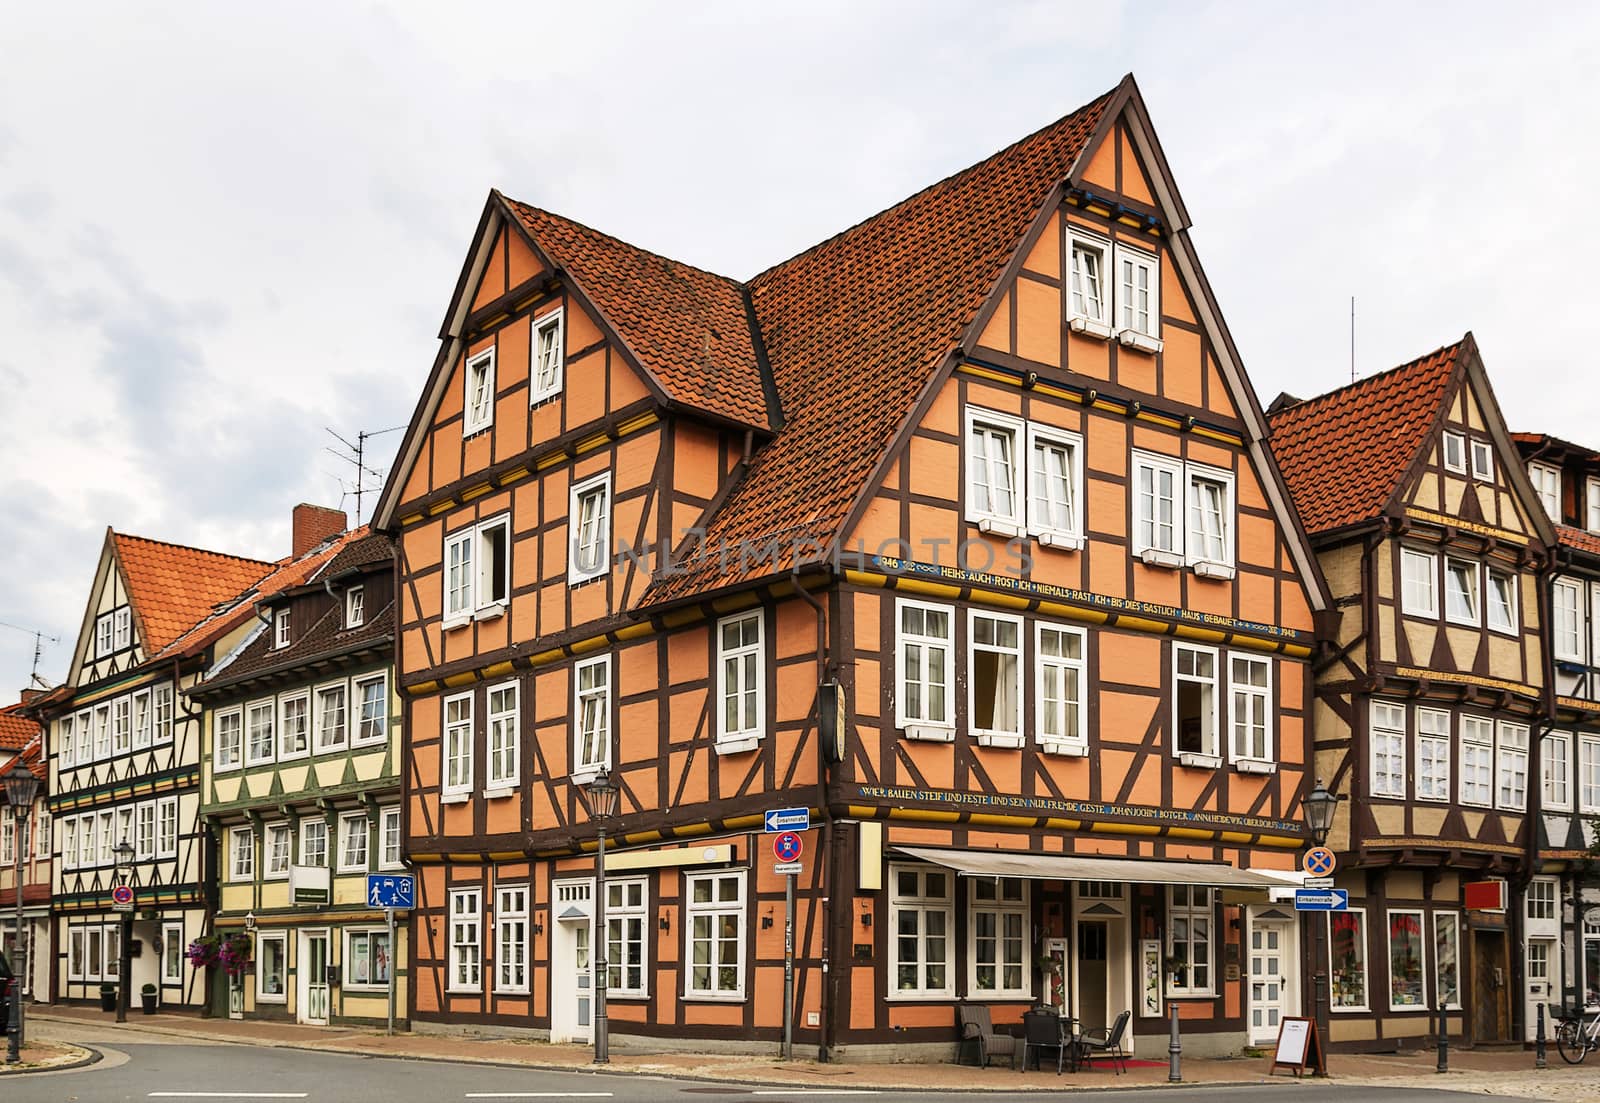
147	999
108	997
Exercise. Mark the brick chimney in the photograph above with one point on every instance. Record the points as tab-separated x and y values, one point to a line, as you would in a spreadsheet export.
32	694
314	524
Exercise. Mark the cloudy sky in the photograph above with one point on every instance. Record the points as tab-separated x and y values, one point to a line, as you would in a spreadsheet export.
225	228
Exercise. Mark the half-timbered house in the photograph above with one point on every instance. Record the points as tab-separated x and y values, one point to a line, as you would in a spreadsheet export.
125	753
28	951
963	535
300	776
1433	545
1562	906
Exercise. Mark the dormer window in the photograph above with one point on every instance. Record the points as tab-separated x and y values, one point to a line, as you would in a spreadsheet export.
549	355
478	407
1546	482
1591	515
1482	460
280	628
355	607
1455	453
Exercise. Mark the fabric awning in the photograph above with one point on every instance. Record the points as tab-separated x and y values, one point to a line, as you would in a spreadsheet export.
1073	867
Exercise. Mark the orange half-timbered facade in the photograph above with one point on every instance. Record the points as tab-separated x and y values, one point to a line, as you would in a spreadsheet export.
1431	709
962	534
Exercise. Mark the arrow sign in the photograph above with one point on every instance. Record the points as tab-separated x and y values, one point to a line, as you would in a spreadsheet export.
787	819
1321	900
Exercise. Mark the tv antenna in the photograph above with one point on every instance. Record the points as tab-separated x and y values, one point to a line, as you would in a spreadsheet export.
356	454
39	642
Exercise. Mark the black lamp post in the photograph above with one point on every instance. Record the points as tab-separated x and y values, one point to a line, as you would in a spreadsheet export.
20	788
1320	806
124	857
602	806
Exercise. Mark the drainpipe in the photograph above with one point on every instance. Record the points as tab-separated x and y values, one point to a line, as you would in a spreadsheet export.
830	884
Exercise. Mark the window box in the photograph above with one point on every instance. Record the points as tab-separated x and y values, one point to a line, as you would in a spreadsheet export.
999	739
1143	342
1155	557
1091	329
929	733
1061	541
499	794
493	611
1065	750
993	527
1255	766
454	798
1207	569
1199	761
737	746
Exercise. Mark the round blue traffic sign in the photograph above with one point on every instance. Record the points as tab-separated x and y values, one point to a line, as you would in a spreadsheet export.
787	846
122	894
1319	862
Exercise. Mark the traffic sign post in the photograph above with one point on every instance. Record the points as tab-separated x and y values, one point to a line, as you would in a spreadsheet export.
1319	862
122	898
390	891
786	819
787	847
1321	900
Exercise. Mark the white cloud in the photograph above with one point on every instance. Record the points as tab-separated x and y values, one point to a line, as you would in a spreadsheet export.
222	229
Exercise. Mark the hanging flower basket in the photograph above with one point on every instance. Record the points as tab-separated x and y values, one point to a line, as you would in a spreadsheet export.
205	951
232	952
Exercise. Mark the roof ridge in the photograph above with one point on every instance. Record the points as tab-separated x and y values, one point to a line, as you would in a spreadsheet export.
1376	377
191	548
584	226
1032	135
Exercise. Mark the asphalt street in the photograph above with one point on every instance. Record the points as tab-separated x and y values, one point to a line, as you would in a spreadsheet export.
221	1072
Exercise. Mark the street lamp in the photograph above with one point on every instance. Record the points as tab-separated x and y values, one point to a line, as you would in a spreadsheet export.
20	788
1320	806
602	806
123	852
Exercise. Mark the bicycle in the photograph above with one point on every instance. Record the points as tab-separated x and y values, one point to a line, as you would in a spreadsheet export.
1575	1038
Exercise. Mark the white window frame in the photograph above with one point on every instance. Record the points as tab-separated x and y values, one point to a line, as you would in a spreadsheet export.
585	768
281	636
1546	482
143	721
503	738
1252	697
372	935
227	754
287	753
355	607
358	713
1457	443
161	707
168	827
122	725
1194	544
540	389
619	914
1567	638
122	629
474	419
577	571
1543	891
1506	625
1591	504
269	708
1190	911
355	829
923	903
464	923
472	596
104	855
102	731
1001	908
1434	744
1556	786
270	835
1129	331
1422	964
1510	764
328	737
714	908
1474	618
314	826
1042	522
1589	773
241	855
455	746
994	425
511	938
1452	922
69	842
1082	320
460	597
172	953
1476	733
988	736
76	954
386	816
144	831
67	741
749	662
1481	449
1067	669
1386	740
103	635
1150	549
923	727
1412	602
1210	755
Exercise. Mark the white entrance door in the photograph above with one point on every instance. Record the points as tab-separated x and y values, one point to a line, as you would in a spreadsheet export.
1543	969
571	978
1101	975
312	975
1269	978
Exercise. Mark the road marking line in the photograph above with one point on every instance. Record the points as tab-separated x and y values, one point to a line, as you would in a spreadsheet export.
815	1091
538	1095
226	1095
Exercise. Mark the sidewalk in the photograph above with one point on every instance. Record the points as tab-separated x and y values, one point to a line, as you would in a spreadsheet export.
1499	1072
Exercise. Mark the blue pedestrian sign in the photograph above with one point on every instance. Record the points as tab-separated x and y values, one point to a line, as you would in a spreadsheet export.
788	819
1321	900
391	890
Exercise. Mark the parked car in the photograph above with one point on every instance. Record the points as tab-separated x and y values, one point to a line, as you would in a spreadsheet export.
8	992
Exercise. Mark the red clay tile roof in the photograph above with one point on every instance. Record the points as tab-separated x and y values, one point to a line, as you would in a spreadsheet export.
687	327
1343	454
854	326
15	729
172	587
286	573
1579	539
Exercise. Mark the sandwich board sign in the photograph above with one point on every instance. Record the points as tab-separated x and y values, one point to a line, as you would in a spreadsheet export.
1299	1047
